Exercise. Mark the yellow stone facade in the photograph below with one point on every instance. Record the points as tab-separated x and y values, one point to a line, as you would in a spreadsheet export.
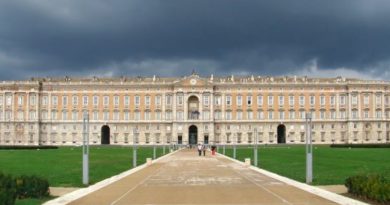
194	109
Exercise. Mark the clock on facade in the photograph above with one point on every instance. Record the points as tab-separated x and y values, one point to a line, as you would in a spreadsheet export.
193	81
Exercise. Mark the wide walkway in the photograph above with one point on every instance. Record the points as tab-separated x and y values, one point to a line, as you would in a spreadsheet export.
185	178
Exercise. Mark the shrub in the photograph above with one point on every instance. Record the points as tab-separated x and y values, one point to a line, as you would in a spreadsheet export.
360	145
7	190
31	187
17	147
373	186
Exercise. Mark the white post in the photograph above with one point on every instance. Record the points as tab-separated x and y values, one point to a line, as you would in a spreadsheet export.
309	150
86	148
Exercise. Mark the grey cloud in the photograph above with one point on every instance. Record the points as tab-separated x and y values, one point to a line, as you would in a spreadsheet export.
224	36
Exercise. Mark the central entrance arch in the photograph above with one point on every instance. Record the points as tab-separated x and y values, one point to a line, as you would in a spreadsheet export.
105	134
281	134
192	135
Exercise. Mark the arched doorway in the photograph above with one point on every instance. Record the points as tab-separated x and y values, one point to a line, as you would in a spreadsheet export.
281	134
193	135
105	139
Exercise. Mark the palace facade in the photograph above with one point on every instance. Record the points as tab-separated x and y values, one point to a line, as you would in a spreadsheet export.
194	109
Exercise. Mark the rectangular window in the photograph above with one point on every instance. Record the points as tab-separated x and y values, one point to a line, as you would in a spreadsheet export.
157	100
20	100
322	115
302	114
260	115
270	100
179	115
32	114
106	115
206	115
354	114
322	100
366	114
147	115
228	100
180	99
95	100
333	114
168	115
250	115
378	114
270	115
239	115
116	115
206	100
354	100
312	100
147	100
127	100
32	100
54	100
342	100
291	115
137	115
342	114
126	115
137	100
75	100
249	100
157	115
116	101
20	115
260	100
366	100
44	100
228	115
1	100
64	101
95	115
291	100
54	115
378	100
106	100
281	100
217	100
85	100
332	100
64	115
281	115
301	100
239	100
168	99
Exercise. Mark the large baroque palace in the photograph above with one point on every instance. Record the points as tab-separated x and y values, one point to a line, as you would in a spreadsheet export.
193	109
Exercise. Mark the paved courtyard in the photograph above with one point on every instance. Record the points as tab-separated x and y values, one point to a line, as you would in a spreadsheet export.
185	178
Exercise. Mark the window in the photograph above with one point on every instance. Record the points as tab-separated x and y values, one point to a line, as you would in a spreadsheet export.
32	100
228	115
64	101
312	100
342	114
332	100
260	100
281	115
157	115
116	101
322	100
32	115
147	115
354	99
54	114
44	100
281	100
106	100
291	100
301	100
20	115
137	100
291	115
249	100
75	100
95	100
302	114
85	100
127	100
249	115
239	100
239	115
168	115
322	115
378	114
217	100
168	99
64	115
95	115
270	115
20	100
228	100
333	114
106	115
74	115
206	115
366	114
206	100
147	100
354	114
270	100
44	115
180	99
126	115
157	100
1	100
179	115
342	100
260	115
366	100
137	115
378	100
116	115
217	115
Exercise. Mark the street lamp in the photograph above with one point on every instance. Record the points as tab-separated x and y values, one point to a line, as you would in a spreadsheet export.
309	150
135	132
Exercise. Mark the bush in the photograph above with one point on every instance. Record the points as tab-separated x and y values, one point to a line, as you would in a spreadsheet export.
374	187
32	187
360	145
17	147
7	190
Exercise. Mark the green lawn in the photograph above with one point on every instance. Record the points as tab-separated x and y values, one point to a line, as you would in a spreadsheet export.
331	165
63	166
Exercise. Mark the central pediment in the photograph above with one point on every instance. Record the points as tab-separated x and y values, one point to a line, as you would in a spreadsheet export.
192	81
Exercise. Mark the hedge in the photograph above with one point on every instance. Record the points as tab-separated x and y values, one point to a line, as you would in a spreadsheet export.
28	147
374	187
21	187
360	145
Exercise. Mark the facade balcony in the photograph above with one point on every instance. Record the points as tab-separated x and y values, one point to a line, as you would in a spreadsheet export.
193	115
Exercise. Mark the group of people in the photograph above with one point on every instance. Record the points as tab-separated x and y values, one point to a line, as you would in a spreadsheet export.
201	148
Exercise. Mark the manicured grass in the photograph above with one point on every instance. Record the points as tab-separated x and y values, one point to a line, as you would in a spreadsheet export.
32	201
63	166
331	165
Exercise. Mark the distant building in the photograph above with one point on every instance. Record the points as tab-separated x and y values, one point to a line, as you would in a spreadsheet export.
194	109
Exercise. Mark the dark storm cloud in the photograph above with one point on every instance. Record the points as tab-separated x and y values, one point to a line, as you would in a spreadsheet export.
171	37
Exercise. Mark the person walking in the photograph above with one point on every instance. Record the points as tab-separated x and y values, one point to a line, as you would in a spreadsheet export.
204	149
199	149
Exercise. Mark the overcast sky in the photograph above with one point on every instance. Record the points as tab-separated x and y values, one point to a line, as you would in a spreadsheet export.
319	38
